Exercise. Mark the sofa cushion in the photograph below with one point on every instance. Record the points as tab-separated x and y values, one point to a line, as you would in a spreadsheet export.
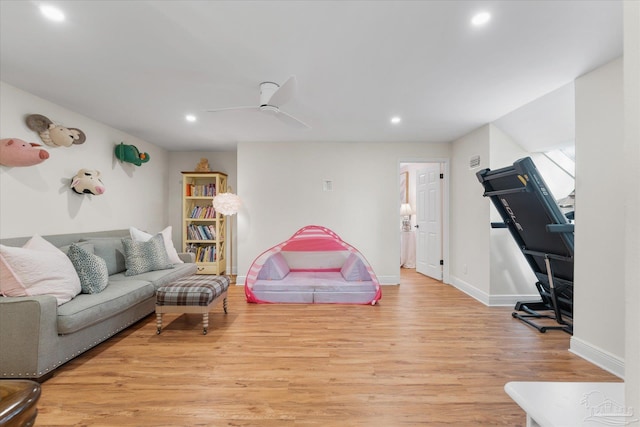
160	277
88	309
38	268
111	250
85	245
140	257
91	269
142	236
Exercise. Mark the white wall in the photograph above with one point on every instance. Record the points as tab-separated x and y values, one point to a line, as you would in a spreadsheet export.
500	275
37	199
600	233
632	199
186	161
469	216
281	187
511	278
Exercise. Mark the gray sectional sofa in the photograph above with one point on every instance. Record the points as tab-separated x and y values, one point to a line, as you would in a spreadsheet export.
37	336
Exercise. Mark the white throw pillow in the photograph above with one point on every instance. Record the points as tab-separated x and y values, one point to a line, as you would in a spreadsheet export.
141	236
38	268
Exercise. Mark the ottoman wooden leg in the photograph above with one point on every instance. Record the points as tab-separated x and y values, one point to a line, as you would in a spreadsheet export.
205	323
158	323
224	305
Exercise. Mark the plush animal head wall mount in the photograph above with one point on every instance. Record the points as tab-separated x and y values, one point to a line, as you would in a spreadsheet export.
54	135
87	181
16	152
131	154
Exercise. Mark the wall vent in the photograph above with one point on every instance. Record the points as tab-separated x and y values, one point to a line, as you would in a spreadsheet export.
474	162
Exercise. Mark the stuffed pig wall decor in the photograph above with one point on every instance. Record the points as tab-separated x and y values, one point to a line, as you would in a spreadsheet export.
16	152
54	135
131	154
87	181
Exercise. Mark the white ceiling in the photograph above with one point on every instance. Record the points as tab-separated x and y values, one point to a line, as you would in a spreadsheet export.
140	66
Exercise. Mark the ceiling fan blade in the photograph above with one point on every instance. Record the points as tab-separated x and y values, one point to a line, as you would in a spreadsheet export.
292	121
284	93
233	108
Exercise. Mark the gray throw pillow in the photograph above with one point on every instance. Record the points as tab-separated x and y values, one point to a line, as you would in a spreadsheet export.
140	257
91	269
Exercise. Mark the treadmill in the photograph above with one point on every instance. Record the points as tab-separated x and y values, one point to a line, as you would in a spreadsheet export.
543	234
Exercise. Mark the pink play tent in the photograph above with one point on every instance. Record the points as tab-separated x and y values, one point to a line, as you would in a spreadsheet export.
313	266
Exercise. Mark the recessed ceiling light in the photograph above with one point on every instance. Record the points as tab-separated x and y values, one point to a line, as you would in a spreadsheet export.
190	118
481	18
52	13
395	120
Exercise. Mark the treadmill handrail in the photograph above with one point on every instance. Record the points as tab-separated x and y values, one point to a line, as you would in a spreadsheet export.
500	192
547	255
560	228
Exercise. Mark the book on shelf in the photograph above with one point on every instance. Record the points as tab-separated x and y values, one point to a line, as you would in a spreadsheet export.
202	212
201	190
201	232
206	254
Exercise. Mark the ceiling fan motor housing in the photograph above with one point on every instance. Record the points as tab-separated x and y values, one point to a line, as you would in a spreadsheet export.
267	89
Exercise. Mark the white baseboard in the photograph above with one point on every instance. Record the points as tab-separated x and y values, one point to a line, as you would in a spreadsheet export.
491	300
472	291
597	356
510	300
240	280
389	280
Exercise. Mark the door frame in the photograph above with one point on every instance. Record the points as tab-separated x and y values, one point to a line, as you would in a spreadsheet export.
445	162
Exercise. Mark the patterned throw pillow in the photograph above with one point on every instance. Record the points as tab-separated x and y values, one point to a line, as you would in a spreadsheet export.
91	269
141	257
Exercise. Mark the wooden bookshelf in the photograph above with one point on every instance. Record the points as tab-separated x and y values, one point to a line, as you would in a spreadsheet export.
203	229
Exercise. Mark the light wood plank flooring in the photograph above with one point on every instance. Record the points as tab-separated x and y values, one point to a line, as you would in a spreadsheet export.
427	355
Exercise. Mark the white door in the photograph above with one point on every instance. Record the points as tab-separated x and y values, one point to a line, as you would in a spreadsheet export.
429	221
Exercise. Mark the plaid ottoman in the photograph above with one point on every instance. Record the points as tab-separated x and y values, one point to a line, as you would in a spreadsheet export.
192	294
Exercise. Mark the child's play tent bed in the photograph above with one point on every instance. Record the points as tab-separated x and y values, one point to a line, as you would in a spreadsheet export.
314	266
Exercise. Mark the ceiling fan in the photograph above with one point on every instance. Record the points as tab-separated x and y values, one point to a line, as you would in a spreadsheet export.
272	96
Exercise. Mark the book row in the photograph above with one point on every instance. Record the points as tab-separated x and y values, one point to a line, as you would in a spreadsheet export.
201	212
201	190
201	232
206	254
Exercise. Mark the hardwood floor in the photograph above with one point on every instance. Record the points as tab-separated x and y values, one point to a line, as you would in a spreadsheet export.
427	355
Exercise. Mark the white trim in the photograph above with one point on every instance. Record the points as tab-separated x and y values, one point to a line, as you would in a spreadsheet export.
510	300
470	290
445	164
490	300
389	280
240	280
597	356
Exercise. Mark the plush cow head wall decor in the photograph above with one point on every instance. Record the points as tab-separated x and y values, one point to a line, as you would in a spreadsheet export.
54	135
87	181
16	152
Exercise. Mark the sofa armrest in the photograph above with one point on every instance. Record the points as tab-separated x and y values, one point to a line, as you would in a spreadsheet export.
27	335
187	257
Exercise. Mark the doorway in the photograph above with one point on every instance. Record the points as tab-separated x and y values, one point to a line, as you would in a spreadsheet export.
425	241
